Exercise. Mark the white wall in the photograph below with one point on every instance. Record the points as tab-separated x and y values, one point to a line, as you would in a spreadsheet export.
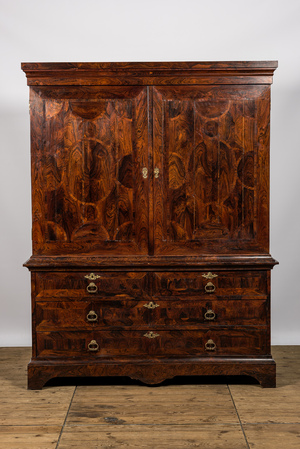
156	30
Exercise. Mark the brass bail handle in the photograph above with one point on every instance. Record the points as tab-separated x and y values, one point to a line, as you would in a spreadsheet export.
210	345
93	346
92	288
209	315
92	316
210	287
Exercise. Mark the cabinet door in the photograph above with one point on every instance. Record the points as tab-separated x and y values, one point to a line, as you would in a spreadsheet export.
211	150
89	153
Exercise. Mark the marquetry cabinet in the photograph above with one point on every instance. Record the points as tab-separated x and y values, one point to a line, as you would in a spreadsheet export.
150	207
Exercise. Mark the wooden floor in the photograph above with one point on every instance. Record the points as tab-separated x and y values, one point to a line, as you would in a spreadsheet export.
206	413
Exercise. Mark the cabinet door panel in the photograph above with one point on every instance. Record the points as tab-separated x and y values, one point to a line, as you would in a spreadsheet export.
211	195
89	149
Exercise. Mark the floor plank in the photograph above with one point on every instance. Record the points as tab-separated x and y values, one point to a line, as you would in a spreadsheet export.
273	405
33	437
273	436
149	437
144	405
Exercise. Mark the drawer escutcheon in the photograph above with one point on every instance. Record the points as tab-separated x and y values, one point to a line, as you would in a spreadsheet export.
92	277
151	334
209	275
151	305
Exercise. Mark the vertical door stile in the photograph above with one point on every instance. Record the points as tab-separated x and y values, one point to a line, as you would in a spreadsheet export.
151	199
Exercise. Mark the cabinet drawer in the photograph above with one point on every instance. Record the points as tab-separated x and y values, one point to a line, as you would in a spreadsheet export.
212	284
61	315
62	285
123	343
212	313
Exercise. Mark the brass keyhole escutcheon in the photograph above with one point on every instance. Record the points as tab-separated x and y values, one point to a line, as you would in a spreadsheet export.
151	334
151	305
210	287
210	315
209	275
93	346
92	288
92	316
145	172
156	172
210	345
92	276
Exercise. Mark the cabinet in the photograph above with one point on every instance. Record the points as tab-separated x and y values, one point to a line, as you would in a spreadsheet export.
150	207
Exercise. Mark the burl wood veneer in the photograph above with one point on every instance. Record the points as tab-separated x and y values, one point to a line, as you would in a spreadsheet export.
150	206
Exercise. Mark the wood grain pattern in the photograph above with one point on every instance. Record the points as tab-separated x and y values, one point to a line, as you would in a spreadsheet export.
150	175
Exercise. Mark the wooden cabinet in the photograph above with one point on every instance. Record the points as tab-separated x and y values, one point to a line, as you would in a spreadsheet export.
150	207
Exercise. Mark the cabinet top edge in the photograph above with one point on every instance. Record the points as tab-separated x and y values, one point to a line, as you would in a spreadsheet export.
153	262
37	67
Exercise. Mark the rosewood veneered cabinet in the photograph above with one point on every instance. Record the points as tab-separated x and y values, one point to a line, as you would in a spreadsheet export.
150	206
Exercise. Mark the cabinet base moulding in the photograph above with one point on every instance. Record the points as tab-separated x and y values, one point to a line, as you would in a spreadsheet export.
153	371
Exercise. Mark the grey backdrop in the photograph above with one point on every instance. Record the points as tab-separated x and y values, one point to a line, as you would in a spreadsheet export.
156	30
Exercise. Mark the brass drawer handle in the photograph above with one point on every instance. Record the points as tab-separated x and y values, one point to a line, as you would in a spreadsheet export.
92	316
151	305
151	335
92	288
93	346
210	315
209	287
210	345
209	275
92	277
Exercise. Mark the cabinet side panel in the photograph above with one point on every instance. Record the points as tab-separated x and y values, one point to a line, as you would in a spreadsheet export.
37	122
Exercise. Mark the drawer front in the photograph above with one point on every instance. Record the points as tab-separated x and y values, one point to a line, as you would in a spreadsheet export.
62	285
60	315
122	343
212	284
191	313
